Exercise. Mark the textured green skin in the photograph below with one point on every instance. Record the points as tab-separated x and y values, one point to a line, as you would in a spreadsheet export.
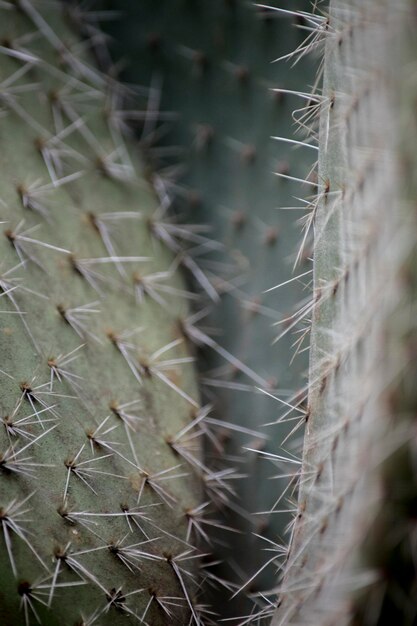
349	561
389	546
222	84
105	376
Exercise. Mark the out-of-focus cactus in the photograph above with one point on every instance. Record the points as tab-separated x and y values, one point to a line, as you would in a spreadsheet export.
212	62
97	508
352	556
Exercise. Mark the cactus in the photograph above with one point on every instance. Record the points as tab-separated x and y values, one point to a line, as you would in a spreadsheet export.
97	508
213	64
103	486
351	560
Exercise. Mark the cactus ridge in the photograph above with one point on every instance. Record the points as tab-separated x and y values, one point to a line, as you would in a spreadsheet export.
358	440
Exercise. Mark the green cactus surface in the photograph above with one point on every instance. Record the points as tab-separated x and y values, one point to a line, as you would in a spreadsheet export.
133	490
213	64
98	509
350	561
